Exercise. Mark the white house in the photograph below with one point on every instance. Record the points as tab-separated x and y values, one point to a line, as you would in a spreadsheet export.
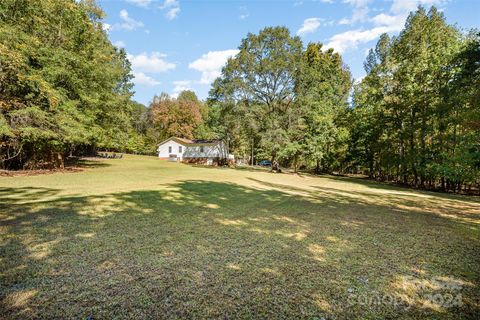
194	151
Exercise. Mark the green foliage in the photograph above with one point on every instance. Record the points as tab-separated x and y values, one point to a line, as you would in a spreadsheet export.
323	84
416	113
176	117
257	86
281	100
63	83
414	118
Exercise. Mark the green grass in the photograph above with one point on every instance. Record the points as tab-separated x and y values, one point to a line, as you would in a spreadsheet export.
144	238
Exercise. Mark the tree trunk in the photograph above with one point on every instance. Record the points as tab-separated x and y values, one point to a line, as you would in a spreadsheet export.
295	163
252	150
371	164
274	162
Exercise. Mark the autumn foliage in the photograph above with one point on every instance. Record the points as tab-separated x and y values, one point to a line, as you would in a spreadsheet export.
177	116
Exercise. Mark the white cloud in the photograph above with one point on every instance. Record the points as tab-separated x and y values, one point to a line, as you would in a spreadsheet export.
172	13
244	14
141	78
172	7
383	19
119	44
394	23
358	15
405	6
360	11
127	23
148	63
300	2
357	3
383	23
180	86
309	25
169	3
211	63
106	27
358	80
153	63
350	39
140	3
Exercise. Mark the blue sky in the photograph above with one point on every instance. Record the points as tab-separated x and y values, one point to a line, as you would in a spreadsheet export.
176	44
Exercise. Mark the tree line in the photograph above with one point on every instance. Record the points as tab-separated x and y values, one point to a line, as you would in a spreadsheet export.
64	88
413	119
416	114
285	102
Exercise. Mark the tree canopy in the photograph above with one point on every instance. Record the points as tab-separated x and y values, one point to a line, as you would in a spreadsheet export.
63	84
177	117
277	95
415	116
413	119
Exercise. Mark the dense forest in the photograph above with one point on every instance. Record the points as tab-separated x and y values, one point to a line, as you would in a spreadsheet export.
414	119
64	88
416	115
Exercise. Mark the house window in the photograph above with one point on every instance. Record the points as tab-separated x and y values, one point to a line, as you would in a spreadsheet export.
179	149
201	149
170	149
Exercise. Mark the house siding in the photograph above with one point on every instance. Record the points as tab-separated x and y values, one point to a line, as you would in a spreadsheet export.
209	151
163	150
193	153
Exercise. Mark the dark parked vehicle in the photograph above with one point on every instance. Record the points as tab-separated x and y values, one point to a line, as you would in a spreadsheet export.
265	163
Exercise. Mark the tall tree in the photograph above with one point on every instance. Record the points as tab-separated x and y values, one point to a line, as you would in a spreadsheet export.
63	84
259	83
322	87
177	117
410	121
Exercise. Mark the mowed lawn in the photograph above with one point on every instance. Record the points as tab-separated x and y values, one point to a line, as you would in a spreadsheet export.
143	238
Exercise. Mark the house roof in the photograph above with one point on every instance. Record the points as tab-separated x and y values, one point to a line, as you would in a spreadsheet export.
185	142
205	141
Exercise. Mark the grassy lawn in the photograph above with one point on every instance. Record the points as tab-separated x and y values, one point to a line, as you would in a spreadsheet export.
144	238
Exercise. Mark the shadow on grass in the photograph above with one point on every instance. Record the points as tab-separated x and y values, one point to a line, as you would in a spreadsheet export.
199	249
400	200
365	181
239	168
90	163
71	165
10	196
